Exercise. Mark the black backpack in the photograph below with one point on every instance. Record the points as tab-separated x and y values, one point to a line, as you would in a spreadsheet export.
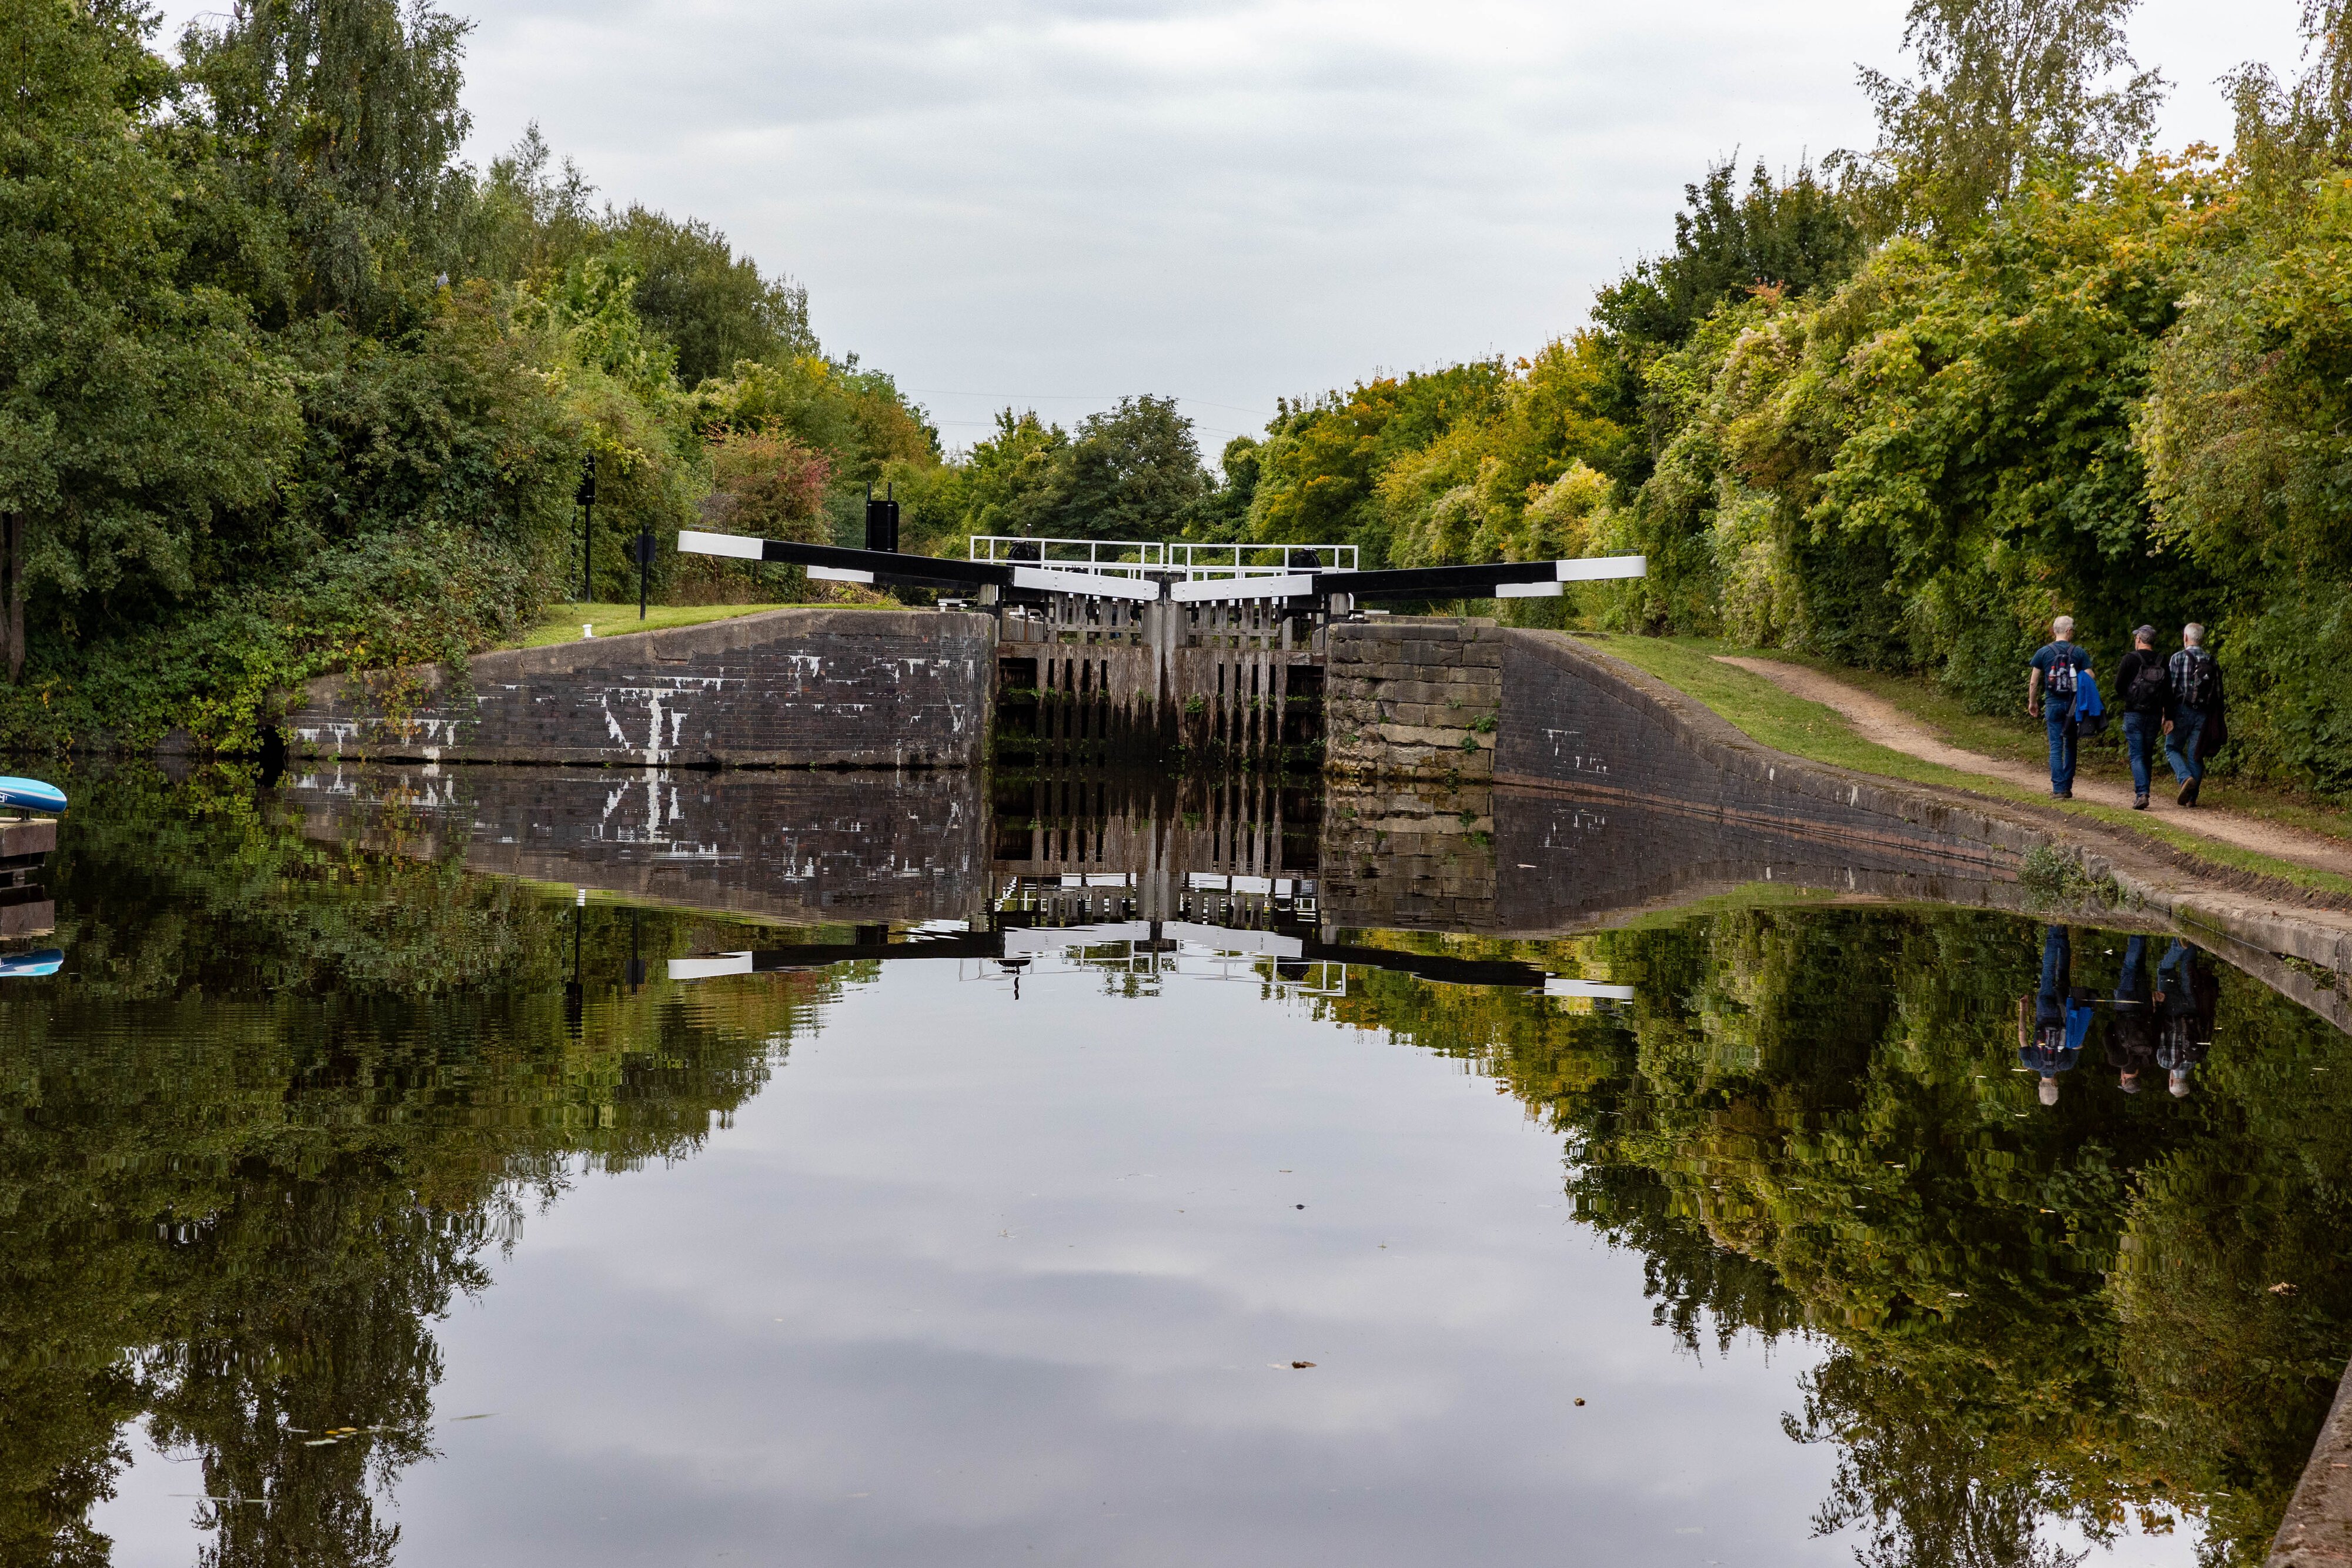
2149	686
2192	677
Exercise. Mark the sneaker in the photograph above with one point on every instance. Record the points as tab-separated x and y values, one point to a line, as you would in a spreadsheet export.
2188	796
2193	783
2139	802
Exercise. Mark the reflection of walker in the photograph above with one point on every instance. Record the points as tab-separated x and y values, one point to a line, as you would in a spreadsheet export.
2054	1021
2185	1003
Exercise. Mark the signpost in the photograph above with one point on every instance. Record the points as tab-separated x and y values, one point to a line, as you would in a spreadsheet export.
586	497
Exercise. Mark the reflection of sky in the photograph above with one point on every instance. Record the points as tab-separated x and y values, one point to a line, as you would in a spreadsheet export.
979	1281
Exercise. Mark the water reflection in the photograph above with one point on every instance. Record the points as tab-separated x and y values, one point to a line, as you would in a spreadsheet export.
312	1075
2052	1023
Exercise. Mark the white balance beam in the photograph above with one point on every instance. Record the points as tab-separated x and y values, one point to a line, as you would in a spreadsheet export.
1100	585
1208	590
742	547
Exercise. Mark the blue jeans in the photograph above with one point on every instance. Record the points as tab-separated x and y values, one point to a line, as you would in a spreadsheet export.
2180	745
2061	722
2057	972
2131	985
2140	732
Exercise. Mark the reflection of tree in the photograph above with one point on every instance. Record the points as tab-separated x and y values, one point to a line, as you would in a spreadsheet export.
1932	1491
263	1133
1808	1119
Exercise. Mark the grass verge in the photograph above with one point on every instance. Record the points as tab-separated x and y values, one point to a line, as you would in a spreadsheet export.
1808	729
562	622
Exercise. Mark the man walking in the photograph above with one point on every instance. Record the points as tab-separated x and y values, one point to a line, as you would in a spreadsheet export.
2056	671
2143	690
2195	691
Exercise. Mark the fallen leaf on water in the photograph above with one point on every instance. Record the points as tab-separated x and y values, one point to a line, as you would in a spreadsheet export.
2282	1289
1299	1206
1300	1366
1580	1402
321	1442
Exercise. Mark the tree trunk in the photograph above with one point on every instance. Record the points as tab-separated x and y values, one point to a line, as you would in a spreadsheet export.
12	592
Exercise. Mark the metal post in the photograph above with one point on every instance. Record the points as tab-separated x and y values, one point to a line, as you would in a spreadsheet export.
644	569
575	997
586	497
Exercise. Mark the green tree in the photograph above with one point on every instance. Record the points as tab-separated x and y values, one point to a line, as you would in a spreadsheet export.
134	412
1320	466
1134	472
1221	512
2245	435
1796	237
332	127
712	306
2004	86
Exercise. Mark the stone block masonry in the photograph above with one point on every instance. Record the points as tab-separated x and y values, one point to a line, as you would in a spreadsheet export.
790	688
1418	698
1416	857
798	847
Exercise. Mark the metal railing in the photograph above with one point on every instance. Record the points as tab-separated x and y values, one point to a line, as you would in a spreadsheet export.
1138	558
1198	560
1112	557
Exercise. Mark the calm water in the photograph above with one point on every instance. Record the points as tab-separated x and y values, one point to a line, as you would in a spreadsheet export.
366	1196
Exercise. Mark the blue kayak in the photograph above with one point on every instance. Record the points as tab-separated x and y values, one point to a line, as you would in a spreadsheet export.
46	961
31	795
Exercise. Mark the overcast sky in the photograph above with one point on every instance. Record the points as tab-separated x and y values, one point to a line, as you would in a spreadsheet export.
1054	203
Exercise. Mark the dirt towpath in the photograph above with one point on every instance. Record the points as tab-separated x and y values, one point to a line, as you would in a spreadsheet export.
1874	719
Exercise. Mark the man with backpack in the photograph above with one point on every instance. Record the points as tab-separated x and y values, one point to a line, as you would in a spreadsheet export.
2055	674
2143	690
2195	697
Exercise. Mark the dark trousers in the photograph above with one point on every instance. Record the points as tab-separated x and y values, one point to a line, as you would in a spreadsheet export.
2141	731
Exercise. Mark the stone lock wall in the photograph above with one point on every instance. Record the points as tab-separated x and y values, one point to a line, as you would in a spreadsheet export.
791	688
1417	698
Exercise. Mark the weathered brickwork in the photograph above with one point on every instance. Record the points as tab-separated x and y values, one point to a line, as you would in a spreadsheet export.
802	846
1409	857
791	688
1414	697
